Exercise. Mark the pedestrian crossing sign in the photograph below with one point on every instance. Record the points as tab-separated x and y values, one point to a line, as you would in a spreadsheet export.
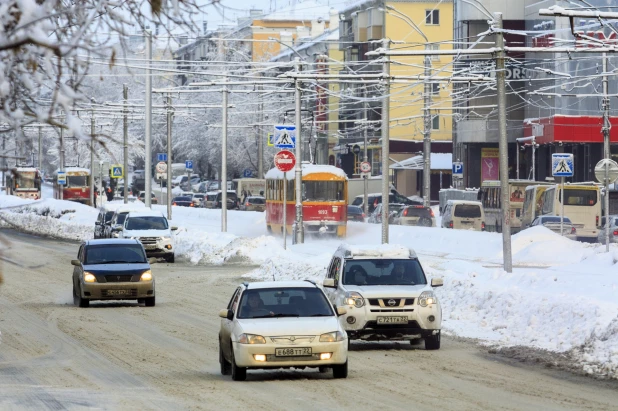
285	136
562	165
117	171
271	143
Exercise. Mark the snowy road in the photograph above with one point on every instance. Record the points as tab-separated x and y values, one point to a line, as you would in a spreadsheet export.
124	356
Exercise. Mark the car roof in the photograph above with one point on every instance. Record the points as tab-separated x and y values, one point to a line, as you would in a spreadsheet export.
148	213
111	241
385	251
280	284
465	202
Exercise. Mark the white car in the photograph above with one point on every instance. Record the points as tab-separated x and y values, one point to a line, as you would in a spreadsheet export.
385	293
152	229
283	324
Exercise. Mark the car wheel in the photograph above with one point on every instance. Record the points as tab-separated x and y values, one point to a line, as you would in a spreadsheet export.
238	373
226	368
340	370
78	300
150	301
433	342
171	258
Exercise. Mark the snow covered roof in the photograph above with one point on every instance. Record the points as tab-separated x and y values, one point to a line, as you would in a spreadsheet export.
26	169
379	251
275	174
439	161
307	10
326	36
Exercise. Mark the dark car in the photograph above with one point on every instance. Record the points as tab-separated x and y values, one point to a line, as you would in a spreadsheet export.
183	201
112	270
355	213
232	200
103	220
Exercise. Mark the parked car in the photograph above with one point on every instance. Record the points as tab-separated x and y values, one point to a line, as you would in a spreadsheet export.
183	201
188	184
416	215
386	294
198	199
142	197
152	229
376	216
355	213
283	324
552	222
232	200
376	198
115	226
612	227
103	220
210	199
464	215
112	270
254	203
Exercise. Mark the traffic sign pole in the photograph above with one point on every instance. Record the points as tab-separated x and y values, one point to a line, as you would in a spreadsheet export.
285	206
606	172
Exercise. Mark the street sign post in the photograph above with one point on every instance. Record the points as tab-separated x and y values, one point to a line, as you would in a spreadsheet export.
562	166
458	169
117	171
247	173
161	157
161	169
606	172
285	136
285	161
189	165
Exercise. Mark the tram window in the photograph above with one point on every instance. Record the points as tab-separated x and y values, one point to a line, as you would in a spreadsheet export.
323	191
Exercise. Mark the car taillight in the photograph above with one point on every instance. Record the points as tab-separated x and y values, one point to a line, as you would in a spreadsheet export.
616	232
174	203
405	212
450	225
573	230
483	226
431	213
363	215
247	204
190	204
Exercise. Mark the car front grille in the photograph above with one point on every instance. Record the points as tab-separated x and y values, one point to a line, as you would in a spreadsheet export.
118	278
149	240
386	302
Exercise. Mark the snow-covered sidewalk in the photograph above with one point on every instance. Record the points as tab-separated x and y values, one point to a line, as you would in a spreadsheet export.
561	296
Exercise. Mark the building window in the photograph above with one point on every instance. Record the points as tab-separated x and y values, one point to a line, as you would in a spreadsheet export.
432	17
435	88
434	47
435	122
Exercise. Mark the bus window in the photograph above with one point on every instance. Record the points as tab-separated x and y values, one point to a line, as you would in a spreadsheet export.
575	197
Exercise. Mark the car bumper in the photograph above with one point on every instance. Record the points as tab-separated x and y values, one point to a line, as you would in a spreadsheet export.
244	355
365	322
110	291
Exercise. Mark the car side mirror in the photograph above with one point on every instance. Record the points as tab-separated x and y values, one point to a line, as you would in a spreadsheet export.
329	283
173	228
437	282
341	311
76	263
97	223
227	314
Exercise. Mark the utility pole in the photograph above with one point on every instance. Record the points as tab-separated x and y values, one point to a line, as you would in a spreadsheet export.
92	132
125	137
61	158
170	117
224	160
40	161
299	236
148	136
503	145
385	142
366	177
606	145
260	137
427	135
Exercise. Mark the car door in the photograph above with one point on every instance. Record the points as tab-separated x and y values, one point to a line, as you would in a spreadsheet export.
77	271
330	292
228	325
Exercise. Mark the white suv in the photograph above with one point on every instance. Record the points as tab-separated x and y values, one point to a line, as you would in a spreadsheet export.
386	294
151	228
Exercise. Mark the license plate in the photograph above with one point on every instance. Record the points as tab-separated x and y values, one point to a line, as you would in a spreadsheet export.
150	247
392	320
292	352
118	292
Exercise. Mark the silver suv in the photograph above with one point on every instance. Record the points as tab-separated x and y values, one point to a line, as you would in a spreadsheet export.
385	293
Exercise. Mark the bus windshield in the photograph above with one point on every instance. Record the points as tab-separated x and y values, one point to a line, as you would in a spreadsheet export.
25	180
579	197
323	191
77	181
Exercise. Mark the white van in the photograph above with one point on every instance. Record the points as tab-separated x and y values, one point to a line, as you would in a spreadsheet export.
464	215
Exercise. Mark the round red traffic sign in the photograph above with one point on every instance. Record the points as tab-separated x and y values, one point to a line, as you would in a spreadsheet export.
161	167
365	167
285	160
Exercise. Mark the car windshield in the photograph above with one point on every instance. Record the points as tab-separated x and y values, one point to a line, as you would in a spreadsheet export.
284	302
114	254
255	200
383	272
182	199
554	219
147	223
467	211
108	216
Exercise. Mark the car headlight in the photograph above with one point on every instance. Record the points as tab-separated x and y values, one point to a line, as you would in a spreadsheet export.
427	298
251	339
332	337
146	276
89	277
354	298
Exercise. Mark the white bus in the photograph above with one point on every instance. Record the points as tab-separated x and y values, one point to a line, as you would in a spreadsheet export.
582	205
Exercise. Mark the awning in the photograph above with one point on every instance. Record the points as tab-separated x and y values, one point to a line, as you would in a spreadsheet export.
439	161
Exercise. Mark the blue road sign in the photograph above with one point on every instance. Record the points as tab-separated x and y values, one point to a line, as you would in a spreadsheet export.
247	173
562	165
117	171
161	156
285	136
62	177
458	169
189	164
270	140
